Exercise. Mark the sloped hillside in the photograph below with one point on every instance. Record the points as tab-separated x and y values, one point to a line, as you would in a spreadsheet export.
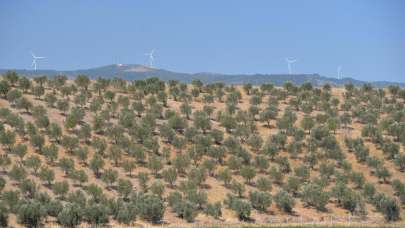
152	152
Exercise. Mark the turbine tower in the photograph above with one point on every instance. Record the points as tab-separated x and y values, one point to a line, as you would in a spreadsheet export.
339	72
34	60
151	58
289	62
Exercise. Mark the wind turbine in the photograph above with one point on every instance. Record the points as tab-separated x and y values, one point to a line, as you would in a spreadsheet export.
289	62
339	72
34	60
151	58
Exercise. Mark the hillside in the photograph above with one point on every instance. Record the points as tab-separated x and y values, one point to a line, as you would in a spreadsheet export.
137	72
149	152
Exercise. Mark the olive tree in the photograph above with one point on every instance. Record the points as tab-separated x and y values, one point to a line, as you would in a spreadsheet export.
109	176
201	121
71	215
150	207
96	164
4	87
67	165
390	209
61	188
170	176
400	162
241	207
80	176
313	195
31	213
24	103
260	200
307	123
96	214
7	138
47	175
248	173
124	188
17	173
284	201
214	210
3	215
268	114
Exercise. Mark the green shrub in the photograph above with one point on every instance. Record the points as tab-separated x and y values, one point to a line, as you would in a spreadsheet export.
284	201
293	185
3	215
260	200
124	188
388	206
241	207
150	207
170	176
173	198
263	184
31	213
157	188
186	210
70	216
313	195
11	199
61	188
126	213
214	209
238	188
96	214
369	190
2	184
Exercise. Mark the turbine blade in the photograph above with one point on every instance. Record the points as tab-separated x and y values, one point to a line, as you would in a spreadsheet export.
290	60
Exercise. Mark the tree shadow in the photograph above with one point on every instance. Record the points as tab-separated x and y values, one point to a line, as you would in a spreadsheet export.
249	220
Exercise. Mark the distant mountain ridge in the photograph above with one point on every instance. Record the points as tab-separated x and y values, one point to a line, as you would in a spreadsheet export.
136	72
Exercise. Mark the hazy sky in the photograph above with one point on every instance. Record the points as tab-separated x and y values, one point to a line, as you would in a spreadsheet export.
366	37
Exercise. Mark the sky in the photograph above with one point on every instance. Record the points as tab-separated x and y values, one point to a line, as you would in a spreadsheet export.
365	37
